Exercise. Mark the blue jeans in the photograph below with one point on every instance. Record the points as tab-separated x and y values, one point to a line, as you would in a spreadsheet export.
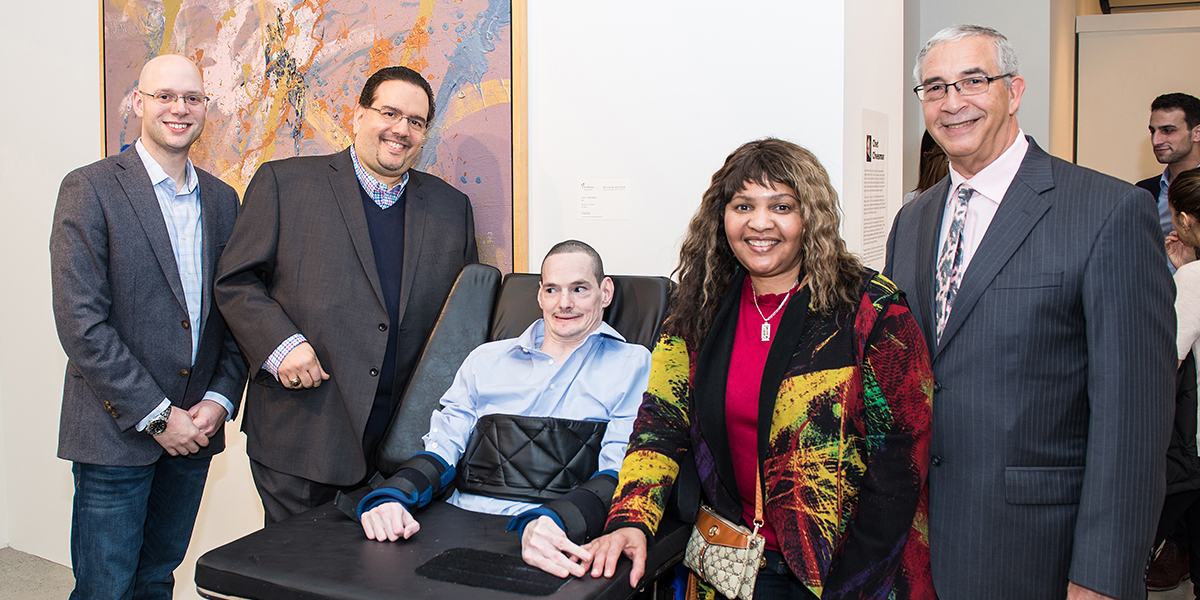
130	527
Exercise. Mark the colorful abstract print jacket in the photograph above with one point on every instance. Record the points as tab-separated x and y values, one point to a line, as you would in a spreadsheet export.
844	460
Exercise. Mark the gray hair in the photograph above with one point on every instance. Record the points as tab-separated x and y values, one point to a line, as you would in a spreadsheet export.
1006	57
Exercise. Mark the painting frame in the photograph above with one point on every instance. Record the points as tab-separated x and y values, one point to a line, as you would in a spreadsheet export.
519	125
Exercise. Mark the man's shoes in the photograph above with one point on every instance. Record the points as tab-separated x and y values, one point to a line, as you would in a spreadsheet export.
1169	569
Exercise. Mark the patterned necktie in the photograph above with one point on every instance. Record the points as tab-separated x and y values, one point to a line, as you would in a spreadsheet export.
949	267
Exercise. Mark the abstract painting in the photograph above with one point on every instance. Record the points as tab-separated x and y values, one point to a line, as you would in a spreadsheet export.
284	77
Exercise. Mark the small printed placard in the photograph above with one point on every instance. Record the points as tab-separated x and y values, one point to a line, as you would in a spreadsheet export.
604	199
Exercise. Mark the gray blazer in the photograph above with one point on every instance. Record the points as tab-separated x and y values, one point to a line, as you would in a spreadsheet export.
300	261
121	313
1054	382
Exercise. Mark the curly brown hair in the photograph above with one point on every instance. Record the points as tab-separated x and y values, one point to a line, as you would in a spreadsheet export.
706	261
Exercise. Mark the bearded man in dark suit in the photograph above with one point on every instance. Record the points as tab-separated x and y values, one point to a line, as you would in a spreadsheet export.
332	280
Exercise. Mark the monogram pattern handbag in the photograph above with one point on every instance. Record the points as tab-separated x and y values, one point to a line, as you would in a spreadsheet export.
724	554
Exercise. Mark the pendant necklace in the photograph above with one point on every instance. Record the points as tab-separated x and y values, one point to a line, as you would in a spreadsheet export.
766	326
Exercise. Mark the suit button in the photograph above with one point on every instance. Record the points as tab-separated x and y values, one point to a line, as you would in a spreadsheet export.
383	326
935	460
937	386
183	373
186	324
374	372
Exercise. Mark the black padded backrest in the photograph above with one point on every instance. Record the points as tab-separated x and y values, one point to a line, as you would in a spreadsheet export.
637	311
460	328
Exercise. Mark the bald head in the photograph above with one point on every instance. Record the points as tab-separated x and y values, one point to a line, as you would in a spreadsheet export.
168	66
170	124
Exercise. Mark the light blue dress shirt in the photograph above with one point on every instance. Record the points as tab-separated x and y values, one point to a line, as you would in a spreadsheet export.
602	380
181	211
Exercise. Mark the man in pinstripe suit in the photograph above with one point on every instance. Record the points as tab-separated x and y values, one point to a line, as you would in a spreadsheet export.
1042	291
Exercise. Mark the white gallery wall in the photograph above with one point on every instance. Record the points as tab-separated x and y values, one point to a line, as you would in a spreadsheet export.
50	125
656	95
652	94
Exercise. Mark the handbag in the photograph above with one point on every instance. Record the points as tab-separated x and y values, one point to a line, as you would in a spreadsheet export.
725	555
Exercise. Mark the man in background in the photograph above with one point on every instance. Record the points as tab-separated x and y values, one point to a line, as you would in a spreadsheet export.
332	280
152	371
1175	140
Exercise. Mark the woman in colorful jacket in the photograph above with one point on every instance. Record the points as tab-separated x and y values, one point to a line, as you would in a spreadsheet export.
783	353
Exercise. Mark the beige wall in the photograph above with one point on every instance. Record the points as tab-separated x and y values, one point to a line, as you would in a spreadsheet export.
1125	61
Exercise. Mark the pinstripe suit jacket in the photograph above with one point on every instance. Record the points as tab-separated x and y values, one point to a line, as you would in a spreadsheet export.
1053	386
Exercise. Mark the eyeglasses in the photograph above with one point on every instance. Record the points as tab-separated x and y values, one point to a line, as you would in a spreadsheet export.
170	98
392	117
971	86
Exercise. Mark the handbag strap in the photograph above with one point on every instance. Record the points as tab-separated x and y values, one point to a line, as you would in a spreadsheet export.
758	501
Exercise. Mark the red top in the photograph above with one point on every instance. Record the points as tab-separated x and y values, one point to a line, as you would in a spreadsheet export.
741	395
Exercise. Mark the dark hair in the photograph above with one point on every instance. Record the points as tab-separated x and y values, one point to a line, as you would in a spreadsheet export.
568	246
1184	193
1179	101
367	97
934	164
706	262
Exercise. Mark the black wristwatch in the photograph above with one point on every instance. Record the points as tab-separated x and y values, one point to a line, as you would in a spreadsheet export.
158	424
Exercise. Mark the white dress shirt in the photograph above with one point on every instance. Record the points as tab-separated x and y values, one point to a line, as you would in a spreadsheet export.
990	185
180	205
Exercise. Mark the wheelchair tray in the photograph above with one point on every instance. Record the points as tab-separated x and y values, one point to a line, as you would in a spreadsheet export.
321	554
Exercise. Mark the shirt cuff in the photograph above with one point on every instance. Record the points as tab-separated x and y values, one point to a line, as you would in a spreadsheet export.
276	357
519	522
220	398
141	426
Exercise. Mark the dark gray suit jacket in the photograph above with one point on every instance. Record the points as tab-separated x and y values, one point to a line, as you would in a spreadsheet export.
1054	386
121	313
300	261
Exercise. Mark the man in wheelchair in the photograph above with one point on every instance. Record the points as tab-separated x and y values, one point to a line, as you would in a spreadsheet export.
537	425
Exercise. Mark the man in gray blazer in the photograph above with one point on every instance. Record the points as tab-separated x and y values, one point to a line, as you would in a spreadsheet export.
332	280
1043	293
152	371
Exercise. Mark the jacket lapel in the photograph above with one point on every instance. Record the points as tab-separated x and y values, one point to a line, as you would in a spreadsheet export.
712	378
779	357
1023	206
414	233
929	224
210	228
136	184
346	189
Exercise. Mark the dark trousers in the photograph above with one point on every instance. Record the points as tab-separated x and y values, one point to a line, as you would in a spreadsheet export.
130	527
775	580
1185	506
284	495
